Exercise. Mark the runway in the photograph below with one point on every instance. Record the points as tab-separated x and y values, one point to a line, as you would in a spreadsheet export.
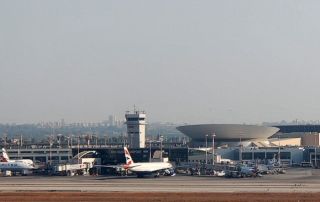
296	180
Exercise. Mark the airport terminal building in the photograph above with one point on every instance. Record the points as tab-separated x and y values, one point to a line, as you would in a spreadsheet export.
232	141
252	143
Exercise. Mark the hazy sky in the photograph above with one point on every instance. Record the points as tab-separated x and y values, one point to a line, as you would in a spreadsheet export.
181	61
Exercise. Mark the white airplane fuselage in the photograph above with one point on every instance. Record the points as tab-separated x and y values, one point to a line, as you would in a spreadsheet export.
17	165
149	167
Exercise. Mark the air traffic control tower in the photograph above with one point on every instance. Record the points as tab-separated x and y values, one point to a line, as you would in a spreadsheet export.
136	127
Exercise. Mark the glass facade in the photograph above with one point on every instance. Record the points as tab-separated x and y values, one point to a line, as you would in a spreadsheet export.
265	155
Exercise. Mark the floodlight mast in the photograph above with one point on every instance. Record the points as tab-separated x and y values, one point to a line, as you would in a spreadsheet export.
206	149
213	135
279	153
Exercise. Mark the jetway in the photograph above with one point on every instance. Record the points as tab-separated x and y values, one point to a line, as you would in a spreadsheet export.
78	165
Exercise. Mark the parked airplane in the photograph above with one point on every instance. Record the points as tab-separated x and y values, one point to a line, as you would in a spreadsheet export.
23	165
147	168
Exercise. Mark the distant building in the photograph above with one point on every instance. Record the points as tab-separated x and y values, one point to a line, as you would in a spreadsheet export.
136	127
112	120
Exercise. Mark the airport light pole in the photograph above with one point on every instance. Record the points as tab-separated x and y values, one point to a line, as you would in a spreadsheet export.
78	148
21	141
96	138
50	141
68	144
315	157
50	154
71	138
150	142
19	146
161	139
206	149
105	140
279	158
213	135
252	149
315	151
240	151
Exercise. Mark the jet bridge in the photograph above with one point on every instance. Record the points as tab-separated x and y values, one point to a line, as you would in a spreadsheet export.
77	165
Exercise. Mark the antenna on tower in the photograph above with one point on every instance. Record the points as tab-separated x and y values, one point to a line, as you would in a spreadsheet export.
135	109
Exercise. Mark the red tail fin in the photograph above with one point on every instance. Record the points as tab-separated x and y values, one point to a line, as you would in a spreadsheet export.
4	156
127	155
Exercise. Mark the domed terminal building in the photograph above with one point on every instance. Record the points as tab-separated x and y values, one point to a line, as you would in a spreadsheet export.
226	133
250	143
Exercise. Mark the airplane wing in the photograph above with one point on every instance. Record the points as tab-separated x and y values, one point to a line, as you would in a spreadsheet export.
110	166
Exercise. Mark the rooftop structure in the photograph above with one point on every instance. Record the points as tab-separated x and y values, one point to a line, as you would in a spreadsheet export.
298	128
227	132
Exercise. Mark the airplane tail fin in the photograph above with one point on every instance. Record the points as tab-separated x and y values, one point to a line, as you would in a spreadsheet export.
129	160
4	156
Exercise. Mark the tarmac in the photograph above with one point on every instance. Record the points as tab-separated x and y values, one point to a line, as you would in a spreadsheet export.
300	180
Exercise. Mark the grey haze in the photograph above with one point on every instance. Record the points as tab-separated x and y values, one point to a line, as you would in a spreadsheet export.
181	61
